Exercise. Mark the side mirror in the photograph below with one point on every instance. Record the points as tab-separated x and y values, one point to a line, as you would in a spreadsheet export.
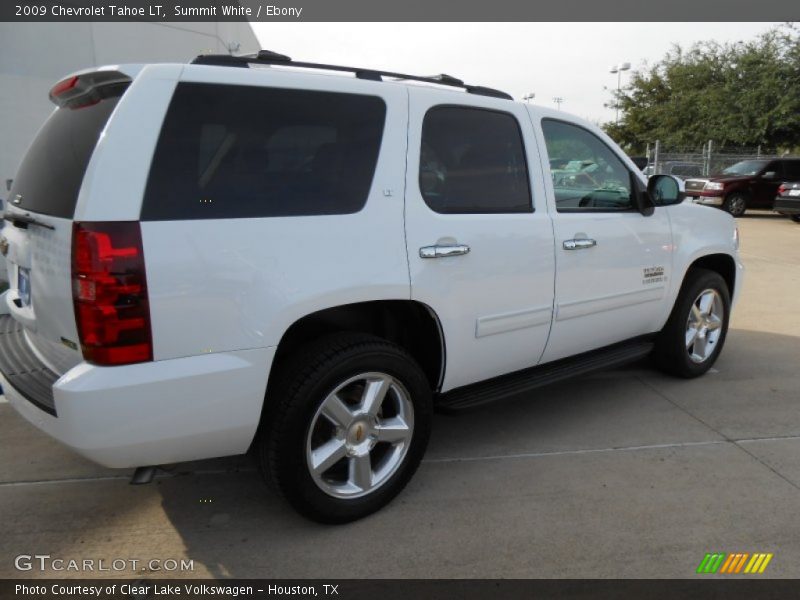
665	190
769	175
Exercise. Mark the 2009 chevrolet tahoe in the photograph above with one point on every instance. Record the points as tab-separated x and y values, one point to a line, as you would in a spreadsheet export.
204	258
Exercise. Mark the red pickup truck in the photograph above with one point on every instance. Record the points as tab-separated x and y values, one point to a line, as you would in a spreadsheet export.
746	184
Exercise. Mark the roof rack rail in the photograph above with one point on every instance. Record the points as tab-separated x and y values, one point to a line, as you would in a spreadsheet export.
267	57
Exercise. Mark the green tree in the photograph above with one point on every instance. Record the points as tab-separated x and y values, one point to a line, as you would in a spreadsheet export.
742	94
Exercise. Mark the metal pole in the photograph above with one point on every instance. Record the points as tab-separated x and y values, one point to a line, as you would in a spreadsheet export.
710	152
656	152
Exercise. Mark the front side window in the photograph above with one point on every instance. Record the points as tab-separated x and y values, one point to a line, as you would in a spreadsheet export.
231	151
587	174
473	161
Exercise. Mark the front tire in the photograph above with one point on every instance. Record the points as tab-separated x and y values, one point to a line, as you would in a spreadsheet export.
346	425
694	335
735	204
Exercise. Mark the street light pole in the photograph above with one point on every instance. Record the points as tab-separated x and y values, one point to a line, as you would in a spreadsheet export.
558	100
528	97
617	70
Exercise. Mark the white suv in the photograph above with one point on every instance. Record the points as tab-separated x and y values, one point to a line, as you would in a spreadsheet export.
206	259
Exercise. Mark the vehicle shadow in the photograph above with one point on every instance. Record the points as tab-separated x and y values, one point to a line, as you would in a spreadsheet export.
232	525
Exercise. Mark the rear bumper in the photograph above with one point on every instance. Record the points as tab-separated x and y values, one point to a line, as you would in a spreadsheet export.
156	413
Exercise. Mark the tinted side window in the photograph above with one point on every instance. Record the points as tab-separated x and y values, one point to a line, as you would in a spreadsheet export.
792	170
473	161
589	176
50	176
229	151
776	166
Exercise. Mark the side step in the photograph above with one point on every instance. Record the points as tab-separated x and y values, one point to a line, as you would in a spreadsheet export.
507	386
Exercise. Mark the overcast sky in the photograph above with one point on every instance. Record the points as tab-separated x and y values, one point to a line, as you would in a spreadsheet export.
570	60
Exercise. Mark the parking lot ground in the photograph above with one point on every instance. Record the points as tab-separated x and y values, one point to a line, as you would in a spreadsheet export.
626	473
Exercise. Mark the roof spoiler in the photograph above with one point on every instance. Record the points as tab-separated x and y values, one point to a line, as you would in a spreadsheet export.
88	88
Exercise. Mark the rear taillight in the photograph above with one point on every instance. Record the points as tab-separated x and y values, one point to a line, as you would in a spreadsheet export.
109	289
782	189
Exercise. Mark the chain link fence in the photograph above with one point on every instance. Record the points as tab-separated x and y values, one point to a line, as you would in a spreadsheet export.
701	162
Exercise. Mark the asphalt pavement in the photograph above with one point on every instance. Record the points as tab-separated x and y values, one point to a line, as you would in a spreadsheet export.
626	473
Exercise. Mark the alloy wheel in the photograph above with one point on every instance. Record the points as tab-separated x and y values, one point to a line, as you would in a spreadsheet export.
737	205
360	435
704	325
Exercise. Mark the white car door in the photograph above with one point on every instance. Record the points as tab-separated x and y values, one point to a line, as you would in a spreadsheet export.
480	241
613	263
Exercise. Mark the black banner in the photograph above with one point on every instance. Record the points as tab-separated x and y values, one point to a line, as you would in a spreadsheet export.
403	589
405	10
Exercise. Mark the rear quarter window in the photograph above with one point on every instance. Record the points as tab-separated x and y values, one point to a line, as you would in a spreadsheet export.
229	151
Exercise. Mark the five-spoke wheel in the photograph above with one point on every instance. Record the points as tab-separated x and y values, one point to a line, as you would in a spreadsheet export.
345	426
704	325
693	336
360	435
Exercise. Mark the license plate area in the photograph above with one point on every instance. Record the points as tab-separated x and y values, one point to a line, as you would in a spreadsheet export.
24	285
794	192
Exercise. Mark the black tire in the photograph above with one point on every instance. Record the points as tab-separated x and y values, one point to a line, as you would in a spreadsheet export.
735	204
294	397
671	354
796	218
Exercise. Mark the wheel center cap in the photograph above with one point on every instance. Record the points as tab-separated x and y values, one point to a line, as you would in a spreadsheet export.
357	432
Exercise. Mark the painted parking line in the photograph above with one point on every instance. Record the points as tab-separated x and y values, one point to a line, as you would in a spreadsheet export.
127	477
610	449
237	471
574	452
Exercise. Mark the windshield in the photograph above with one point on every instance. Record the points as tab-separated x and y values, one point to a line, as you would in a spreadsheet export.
746	167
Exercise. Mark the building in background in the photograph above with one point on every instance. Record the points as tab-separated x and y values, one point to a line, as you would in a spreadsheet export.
34	56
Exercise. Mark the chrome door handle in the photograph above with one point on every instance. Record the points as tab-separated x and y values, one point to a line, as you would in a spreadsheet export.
581	244
443	251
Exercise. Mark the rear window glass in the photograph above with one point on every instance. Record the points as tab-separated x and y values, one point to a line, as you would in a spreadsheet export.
229	151
50	176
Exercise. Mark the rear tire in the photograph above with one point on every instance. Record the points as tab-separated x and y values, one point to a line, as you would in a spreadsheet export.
735	204
694	335
346	424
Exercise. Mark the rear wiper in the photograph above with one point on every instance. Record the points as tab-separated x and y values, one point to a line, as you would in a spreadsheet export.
28	220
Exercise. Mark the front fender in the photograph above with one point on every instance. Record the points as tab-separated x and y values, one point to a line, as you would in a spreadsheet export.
697	232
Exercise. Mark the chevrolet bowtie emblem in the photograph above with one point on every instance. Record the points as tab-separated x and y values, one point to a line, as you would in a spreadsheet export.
3	246
359	433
